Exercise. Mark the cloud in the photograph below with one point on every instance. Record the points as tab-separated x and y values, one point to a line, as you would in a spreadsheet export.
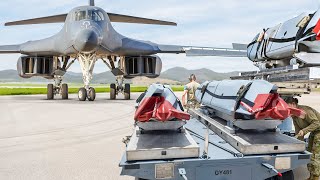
211	23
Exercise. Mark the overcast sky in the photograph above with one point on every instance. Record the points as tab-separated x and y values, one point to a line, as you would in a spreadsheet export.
210	23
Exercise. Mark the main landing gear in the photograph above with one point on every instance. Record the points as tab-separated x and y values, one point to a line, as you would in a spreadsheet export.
61	65
58	88
115	90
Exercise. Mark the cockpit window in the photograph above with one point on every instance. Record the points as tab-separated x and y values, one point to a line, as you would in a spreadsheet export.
94	15
80	15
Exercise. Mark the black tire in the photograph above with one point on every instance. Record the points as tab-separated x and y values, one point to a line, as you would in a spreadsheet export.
140	179
113	91
64	91
127	91
50	91
82	94
285	176
91	94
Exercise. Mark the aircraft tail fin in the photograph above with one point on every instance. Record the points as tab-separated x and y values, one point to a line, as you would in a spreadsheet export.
91	2
138	20
42	20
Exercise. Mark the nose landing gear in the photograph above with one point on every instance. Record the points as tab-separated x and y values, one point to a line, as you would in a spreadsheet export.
87	62
84	94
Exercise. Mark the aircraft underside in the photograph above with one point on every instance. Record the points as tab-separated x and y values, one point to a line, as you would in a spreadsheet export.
55	67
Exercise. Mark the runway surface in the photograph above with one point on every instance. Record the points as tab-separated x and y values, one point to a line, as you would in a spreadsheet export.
68	139
63	139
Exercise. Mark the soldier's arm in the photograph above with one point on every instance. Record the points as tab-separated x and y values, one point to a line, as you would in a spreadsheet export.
184	95
297	129
313	120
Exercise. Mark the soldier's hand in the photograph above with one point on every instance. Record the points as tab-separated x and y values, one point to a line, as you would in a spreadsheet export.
300	134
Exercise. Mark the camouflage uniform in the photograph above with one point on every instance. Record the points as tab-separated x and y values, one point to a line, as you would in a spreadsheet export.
191	99
311	123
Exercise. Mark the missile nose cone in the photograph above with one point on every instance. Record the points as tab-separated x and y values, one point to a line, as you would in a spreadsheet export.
86	41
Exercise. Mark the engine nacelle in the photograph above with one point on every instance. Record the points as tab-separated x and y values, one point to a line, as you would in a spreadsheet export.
148	66
43	66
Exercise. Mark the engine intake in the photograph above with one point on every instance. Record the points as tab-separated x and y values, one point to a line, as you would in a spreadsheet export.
148	66
30	66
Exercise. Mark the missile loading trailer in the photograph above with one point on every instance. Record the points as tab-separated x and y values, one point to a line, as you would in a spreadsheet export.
207	146
217	159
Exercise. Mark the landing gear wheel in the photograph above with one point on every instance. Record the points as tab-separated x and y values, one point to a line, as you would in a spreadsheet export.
64	91
113	91
91	94
127	91
50	92
82	94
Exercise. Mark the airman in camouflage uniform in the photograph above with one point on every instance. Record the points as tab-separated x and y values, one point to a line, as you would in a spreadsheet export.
189	91
309	121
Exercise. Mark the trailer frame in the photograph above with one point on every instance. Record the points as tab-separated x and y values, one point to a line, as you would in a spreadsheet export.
222	162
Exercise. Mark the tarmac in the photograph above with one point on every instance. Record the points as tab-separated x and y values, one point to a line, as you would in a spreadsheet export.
69	139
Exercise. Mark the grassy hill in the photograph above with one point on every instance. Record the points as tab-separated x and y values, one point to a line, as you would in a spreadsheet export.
182	74
172	76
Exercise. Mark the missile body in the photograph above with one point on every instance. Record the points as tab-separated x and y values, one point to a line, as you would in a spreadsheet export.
293	42
244	100
159	103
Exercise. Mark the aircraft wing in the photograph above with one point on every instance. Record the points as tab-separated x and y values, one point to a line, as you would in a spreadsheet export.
39	47
7	49
134	47
42	20
138	20
202	51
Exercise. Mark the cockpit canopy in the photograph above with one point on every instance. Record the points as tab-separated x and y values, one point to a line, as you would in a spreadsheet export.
92	14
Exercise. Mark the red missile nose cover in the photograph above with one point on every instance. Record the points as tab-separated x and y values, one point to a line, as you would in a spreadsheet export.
158	108
316	30
271	106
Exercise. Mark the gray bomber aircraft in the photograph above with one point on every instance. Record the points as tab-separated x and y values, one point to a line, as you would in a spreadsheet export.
87	36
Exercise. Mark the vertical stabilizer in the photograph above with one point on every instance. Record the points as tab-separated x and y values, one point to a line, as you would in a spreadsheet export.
91	2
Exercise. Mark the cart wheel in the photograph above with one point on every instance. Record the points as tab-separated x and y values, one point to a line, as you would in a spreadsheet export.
285	176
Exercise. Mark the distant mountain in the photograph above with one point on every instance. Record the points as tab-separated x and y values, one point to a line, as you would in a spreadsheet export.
171	76
181	74
12	76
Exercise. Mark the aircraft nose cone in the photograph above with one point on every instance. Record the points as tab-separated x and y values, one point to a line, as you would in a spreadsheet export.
86	41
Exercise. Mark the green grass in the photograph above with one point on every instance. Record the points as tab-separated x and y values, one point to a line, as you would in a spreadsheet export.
316	90
72	90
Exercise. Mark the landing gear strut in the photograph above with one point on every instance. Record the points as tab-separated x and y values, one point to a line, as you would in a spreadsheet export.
58	87
87	62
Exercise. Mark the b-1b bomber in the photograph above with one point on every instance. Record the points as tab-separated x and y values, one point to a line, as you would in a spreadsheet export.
87	36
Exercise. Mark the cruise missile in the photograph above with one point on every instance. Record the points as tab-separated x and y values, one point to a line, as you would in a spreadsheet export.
160	104
244	100
293	42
